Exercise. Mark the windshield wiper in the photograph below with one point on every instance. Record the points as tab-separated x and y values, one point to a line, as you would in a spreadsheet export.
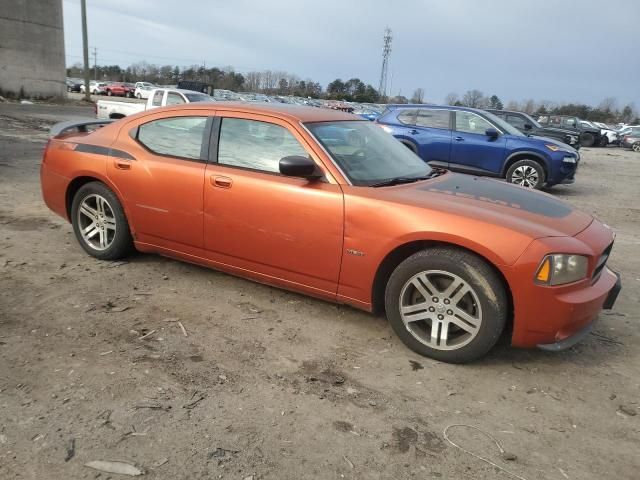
400	180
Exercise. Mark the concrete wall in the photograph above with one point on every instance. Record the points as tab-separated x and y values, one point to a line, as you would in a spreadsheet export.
32	48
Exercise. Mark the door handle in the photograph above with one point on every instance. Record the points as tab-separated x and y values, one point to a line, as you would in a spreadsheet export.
459	139
220	181
122	164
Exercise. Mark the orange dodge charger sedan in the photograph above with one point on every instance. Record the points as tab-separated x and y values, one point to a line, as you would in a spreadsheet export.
325	203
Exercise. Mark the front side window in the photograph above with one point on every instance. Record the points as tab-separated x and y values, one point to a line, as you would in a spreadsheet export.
181	137
469	122
255	145
157	98
516	120
433	118
174	98
367	154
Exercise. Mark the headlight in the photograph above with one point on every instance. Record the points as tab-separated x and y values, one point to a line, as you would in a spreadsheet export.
558	269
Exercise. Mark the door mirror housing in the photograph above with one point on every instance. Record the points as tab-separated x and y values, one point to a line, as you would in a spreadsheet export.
528	126
492	133
299	166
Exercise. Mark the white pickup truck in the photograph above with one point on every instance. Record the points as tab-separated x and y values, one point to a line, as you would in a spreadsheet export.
159	97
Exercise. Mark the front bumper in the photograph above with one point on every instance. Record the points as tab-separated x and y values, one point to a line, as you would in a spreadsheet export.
580	334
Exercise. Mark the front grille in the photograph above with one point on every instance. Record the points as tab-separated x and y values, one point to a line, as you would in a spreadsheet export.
602	261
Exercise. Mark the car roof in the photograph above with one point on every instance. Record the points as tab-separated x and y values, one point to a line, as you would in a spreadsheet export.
399	106
292	112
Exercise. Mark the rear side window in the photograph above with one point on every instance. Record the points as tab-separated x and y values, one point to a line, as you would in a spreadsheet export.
433	118
157	98
174	98
181	137
255	145
408	117
469	122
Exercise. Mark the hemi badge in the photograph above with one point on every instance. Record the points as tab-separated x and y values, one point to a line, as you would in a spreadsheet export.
357	253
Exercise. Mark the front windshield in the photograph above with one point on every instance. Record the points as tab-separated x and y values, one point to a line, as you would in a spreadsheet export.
367	154
502	125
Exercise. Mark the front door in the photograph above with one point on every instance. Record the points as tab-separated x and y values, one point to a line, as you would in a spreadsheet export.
162	187
279	229
472	150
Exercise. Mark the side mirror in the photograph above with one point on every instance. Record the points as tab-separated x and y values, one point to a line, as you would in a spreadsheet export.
298	166
492	133
528	126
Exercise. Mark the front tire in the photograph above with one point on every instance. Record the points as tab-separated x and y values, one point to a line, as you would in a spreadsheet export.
99	222
526	173
587	139
139	96
636	147
447	304
604	141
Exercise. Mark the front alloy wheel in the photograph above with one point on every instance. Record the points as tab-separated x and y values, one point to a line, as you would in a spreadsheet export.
446	303
636	147
526	173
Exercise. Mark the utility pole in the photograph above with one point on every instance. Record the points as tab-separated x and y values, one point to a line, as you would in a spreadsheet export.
85	50
95	64
386	52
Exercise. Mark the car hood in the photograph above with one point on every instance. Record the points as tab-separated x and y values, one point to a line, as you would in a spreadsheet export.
532	213
540	142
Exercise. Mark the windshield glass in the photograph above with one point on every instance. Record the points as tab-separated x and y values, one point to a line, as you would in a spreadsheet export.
366	153
502	125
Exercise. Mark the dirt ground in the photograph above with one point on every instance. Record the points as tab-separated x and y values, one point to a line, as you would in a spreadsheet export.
267	384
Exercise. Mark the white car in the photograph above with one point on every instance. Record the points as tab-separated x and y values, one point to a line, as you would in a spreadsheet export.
143	89
159	97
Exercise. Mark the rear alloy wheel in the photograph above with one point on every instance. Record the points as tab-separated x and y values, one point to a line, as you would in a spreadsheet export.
604	141
446	304
99	222
526	173
587	139
636	147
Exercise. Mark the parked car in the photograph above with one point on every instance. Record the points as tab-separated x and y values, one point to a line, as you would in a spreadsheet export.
527	125
96	88
73	85
589	136
119	89
475	141
631	139
159	97
607	135
352	216
143	89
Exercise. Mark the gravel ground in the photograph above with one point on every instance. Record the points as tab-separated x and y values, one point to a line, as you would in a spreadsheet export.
267	384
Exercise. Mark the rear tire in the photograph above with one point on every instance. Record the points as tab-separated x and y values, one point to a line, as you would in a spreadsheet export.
526	173
453	291
587	139
604	141
139	97
99	222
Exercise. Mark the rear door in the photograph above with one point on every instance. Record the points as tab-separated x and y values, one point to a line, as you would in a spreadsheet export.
472	150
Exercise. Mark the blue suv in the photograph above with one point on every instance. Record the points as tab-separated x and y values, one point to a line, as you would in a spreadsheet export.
477	142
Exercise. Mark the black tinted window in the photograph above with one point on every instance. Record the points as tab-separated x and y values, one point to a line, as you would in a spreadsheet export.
433	118
517	121
408	117
256	145
177	137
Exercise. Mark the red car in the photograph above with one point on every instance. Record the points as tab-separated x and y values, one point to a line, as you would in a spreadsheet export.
119	89
326	203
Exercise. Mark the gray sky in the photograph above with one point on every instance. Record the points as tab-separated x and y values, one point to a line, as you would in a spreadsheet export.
558	50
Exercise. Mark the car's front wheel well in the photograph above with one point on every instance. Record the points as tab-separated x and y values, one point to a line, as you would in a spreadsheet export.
525	156
115	116
73	188
402	252
410	145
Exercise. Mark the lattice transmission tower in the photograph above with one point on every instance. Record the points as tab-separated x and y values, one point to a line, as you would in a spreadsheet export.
386	52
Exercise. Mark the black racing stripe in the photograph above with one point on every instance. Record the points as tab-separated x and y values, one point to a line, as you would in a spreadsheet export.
491	191
99	150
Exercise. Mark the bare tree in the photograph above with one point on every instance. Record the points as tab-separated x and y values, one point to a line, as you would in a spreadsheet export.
418	95
473	99
529	106
252	81
451	99
513	106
